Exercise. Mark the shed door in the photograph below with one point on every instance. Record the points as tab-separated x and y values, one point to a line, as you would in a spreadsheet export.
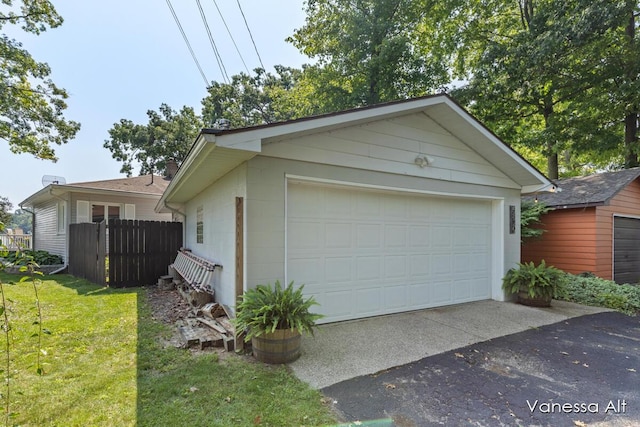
626	250
364	253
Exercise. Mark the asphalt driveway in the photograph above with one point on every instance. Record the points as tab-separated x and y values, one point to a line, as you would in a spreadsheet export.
576	372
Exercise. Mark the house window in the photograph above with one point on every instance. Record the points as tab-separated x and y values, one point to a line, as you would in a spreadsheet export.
199	225
62	216
101	212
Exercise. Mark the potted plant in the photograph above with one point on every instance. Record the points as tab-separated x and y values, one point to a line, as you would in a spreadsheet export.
274	319
535	285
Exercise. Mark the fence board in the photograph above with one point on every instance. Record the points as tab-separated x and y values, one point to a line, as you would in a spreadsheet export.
141	251
87	249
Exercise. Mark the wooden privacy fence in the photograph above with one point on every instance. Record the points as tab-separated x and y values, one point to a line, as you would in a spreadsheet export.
139	252
87	251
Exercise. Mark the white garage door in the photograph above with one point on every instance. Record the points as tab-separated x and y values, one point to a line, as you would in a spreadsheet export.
363	253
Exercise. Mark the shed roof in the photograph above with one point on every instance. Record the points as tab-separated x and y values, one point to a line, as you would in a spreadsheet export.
592	190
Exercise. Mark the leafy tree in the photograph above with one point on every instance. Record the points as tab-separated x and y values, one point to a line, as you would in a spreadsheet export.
5	207
21	219
31	105
167	135
536	71
257	99
530	222
369	51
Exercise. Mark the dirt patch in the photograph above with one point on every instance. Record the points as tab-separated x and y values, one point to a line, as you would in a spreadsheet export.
170	308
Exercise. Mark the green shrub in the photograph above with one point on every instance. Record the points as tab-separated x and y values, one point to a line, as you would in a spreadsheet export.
603	293
539	281
39	257
265	309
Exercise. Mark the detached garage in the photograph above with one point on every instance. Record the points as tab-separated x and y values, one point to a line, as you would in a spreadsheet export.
390	208
594	226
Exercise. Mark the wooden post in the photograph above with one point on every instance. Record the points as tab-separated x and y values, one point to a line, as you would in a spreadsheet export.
239	336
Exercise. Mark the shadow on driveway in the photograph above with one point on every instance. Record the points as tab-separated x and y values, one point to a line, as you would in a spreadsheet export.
580	371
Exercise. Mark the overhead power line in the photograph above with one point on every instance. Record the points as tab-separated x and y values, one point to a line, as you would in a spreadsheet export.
250	35
231	36
223	70
186	40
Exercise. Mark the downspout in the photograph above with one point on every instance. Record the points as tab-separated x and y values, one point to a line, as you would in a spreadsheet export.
184	223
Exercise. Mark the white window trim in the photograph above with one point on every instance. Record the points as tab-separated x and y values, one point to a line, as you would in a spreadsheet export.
61	217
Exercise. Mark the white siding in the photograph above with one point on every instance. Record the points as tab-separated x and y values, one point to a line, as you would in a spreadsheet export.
47	237
265	212
392	146
218	203
144	207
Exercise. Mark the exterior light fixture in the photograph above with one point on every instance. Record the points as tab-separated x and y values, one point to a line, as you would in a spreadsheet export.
423	161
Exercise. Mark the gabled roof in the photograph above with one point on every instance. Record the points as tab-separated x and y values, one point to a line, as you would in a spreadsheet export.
585	191
139	186
217	152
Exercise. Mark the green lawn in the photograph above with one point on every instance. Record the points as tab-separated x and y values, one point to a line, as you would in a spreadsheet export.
105	366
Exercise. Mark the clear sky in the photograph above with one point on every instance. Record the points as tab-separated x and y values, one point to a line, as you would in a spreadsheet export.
117	59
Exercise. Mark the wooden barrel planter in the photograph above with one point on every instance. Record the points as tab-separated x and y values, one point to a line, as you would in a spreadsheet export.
280	346
539	301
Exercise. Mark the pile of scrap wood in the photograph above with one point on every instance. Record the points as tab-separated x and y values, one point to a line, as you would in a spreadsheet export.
211	327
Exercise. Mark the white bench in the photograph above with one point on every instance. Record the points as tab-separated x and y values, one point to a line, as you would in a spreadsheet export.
197	272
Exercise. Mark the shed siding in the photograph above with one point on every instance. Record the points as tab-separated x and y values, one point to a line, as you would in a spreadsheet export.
579	240
47	237
392	146
266	204
218	208
569	243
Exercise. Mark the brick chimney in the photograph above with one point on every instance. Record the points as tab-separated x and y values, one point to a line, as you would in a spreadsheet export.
171	169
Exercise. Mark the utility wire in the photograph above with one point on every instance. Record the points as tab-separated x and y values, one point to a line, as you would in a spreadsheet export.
232	39
223	70
186	40
250	35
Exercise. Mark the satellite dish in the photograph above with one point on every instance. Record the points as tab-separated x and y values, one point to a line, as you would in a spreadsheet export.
51	179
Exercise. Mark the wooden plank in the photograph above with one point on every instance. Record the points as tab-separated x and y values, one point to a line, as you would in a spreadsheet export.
212	324
239	247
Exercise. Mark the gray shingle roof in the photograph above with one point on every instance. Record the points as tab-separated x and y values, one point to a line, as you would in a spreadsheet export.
138	184
591	190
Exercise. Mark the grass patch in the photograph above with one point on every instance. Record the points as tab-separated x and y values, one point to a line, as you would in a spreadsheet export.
105	366
598	292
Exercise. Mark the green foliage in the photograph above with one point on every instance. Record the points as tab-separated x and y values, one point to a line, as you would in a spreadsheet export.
167	135
38	257
530	213
21	219
31	110
265	309
5	214
592	290
539	281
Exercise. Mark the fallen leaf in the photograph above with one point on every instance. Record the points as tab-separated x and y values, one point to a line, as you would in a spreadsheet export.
257	420
564	352
390	386
585	365
227	399
193	389
576	362
631	370
579	424
459	355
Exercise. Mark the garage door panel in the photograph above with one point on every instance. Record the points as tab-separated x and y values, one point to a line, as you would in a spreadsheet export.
383	252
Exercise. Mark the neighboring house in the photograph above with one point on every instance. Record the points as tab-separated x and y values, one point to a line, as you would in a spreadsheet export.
58	205
383	209
594	226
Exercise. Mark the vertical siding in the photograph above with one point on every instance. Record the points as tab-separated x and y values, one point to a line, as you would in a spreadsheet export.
570	242
47	237
218	202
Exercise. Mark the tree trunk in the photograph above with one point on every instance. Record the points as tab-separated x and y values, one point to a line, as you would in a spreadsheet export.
631	117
